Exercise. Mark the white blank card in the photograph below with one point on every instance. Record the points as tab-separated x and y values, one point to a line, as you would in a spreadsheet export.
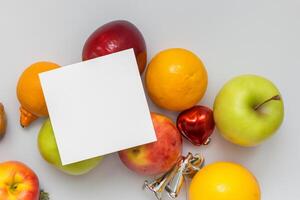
97	107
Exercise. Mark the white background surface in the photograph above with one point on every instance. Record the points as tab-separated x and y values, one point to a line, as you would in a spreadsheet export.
232	37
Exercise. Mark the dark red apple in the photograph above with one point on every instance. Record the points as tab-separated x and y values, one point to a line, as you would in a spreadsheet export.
113	37
196	124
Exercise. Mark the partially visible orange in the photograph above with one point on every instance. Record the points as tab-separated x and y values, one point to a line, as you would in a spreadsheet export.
224	181
30	94
176	79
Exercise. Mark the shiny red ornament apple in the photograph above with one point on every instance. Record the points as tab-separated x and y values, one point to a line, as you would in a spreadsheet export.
196	124
113	37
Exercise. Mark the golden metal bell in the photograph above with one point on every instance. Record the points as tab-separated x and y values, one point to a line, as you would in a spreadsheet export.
196	162
158	186
173	180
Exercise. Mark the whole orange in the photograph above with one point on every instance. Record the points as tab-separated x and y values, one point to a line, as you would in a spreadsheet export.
224	181
30	94
176	79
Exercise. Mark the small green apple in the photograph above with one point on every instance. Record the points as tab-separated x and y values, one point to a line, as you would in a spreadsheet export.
49	151
248	110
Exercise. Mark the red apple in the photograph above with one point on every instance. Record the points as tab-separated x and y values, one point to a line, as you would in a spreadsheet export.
157	157
113	37
196	124
17	181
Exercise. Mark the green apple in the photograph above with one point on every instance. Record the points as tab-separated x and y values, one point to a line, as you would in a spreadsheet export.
49	151
248	110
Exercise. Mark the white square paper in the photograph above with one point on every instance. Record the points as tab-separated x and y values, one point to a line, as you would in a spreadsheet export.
97	107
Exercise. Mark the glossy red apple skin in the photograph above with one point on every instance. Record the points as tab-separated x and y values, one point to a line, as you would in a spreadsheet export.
113	37
196	124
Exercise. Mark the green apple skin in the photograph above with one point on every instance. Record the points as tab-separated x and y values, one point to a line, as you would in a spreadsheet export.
49	151
235	115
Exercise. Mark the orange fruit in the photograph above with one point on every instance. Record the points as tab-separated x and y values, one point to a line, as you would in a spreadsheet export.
30	94
224	181
176	79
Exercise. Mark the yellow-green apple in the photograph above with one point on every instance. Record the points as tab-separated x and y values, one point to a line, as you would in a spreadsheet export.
17	181
49	151
157	157
248	110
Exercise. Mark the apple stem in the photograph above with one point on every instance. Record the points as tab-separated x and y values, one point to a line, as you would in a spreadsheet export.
276	97
44	195
207	141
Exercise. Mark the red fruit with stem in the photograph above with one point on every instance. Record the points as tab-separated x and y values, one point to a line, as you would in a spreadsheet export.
196	124
113	37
